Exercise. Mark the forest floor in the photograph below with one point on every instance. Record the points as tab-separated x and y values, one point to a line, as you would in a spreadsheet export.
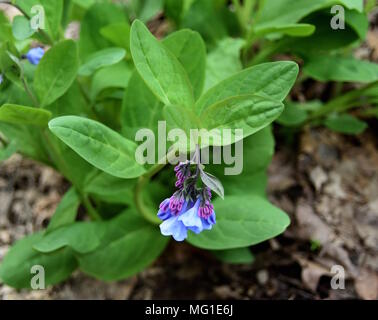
328	186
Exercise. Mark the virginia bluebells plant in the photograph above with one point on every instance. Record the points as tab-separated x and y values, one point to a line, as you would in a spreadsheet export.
190	207
35	55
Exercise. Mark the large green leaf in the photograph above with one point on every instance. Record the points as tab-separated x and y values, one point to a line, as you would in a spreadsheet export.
272	80
16	114
15	269
159	68
189	48
128	245
56	72
250	113
241	221
336	68
100	59
141	108
99	145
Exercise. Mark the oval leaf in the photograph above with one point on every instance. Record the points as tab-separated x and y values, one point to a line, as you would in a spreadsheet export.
241	221
16	265
99	145
16	114
159	68
100	59
272	80
129	245
213	183
56	72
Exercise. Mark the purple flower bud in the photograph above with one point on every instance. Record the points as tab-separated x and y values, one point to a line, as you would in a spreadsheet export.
35	55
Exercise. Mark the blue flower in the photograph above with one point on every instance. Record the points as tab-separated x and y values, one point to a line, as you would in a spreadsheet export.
35	55
188	218
171	225
189	208
194	221
1	79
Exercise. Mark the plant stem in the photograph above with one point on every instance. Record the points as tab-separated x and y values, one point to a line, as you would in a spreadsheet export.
144	211
344	102
29	92
92	212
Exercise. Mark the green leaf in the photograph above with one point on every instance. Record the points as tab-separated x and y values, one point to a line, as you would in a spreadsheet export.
128	246
99	145
56	72
272	80
97	17
118	34
159	68
16	114
293	30
8	151
213	183
21	28
258	151
115	76
248	112
346	124
223	61
66	211
190	50
241	221
345	69
100	59
110	189
208	18
278	13
322	40
235	256
144	9
141	108
53	11
293	115
15	269
81	237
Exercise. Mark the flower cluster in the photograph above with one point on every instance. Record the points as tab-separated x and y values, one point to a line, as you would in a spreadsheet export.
189	208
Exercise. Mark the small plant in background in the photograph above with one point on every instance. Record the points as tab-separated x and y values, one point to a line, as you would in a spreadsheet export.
77	105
